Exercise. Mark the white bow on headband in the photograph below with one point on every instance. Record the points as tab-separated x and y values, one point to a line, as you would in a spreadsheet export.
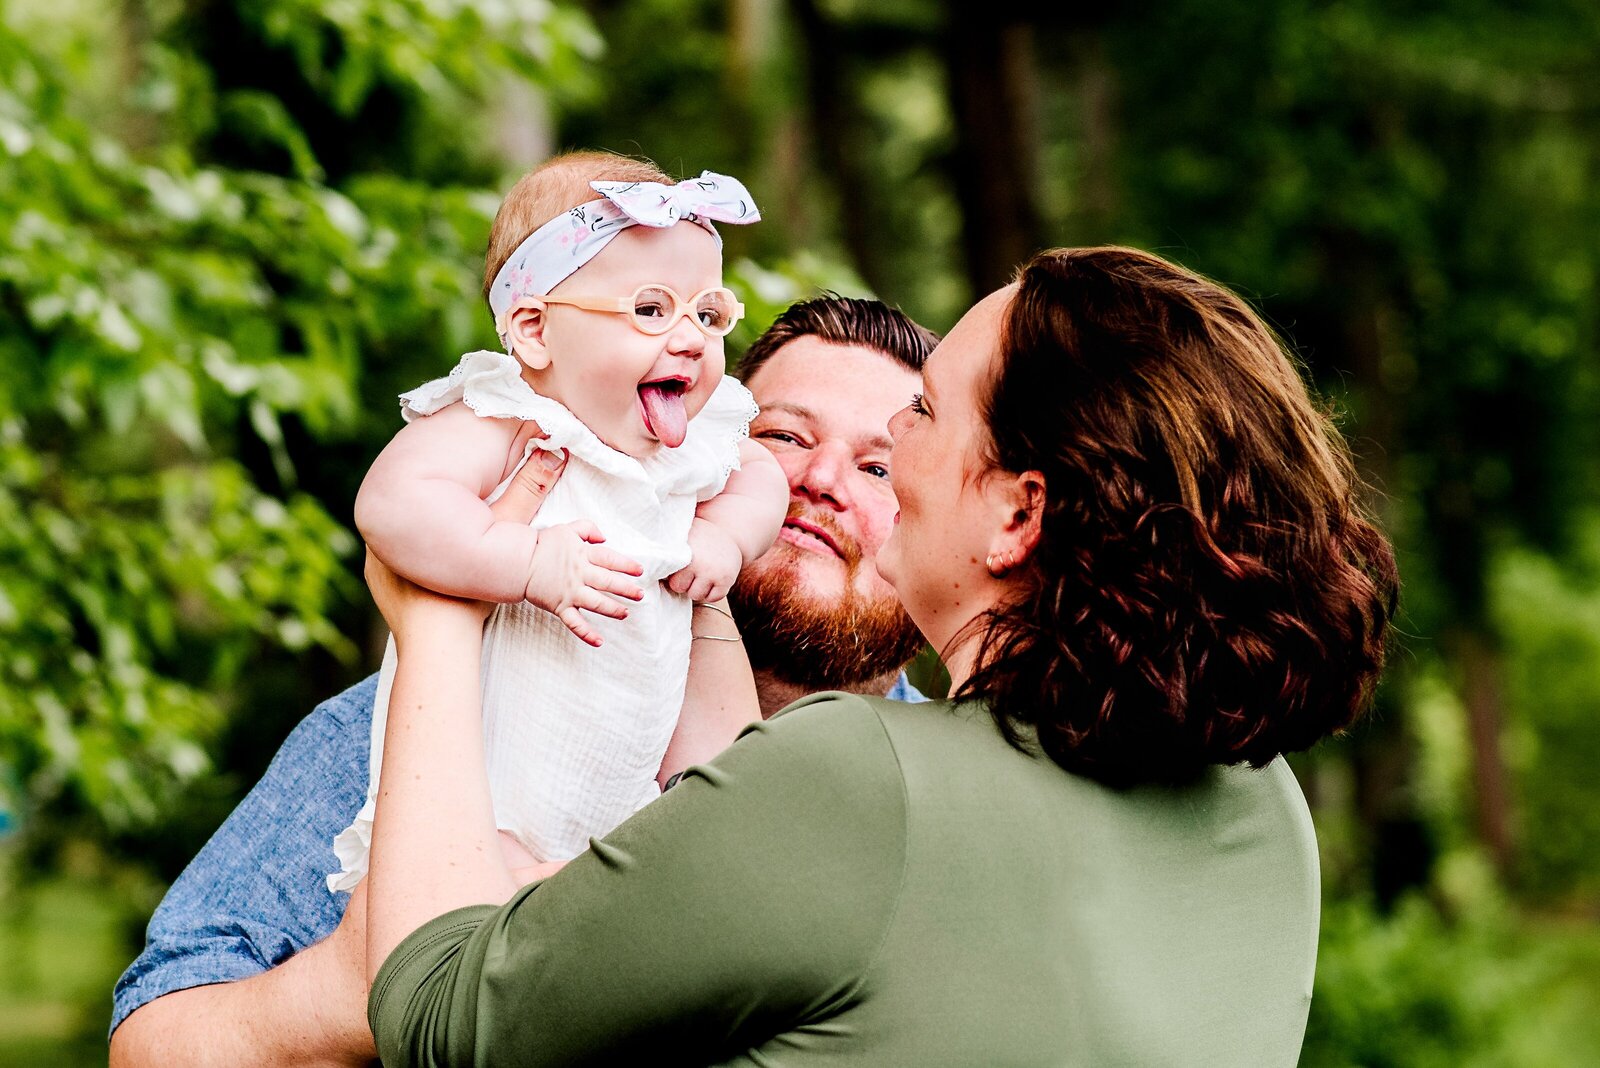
710	196
555	250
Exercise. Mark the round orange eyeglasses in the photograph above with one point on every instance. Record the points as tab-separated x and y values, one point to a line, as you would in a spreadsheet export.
655	309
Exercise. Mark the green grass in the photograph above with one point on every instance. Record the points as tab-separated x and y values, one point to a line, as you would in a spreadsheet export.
63	943
1566	1027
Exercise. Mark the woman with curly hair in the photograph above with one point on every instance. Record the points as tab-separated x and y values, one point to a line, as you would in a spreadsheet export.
1137	543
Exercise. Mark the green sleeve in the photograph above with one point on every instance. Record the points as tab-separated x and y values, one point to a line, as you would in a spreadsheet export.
749	900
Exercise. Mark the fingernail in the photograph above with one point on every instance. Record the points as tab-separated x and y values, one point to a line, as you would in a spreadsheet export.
551	460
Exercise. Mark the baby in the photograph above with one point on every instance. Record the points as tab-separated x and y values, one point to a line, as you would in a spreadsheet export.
605	281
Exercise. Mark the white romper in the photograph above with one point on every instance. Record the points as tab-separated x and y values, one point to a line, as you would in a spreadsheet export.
574	735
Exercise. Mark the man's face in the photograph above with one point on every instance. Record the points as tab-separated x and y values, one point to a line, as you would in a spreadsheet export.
817	611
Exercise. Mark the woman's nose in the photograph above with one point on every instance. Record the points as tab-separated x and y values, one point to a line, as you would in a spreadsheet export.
900	422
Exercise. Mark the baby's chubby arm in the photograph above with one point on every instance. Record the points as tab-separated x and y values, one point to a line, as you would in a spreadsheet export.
752	505
421	507
421	511
734	527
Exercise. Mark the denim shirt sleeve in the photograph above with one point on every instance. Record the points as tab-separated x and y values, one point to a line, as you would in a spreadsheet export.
256	893
902	690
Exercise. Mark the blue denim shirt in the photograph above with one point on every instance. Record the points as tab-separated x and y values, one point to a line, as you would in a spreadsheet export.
257	892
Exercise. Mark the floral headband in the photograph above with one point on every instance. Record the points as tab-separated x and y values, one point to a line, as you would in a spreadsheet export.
555	250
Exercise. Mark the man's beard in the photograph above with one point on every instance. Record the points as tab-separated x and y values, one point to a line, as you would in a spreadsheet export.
821	644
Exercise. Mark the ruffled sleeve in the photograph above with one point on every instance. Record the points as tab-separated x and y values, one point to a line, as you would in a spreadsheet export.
491	384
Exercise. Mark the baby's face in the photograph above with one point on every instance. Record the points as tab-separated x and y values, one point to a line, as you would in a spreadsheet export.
636	391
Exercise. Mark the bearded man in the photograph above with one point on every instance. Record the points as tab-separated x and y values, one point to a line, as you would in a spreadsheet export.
239	967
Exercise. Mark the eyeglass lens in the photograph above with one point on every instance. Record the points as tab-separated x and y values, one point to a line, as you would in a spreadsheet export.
656	309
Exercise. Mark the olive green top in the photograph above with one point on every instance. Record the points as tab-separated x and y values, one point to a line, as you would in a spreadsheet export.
862	882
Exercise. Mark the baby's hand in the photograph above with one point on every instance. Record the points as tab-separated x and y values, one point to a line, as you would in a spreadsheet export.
713	564
572	574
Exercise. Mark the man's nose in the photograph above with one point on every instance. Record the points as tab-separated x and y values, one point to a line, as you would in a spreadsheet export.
823	479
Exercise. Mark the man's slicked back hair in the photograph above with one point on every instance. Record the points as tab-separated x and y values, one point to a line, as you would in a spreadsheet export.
844	321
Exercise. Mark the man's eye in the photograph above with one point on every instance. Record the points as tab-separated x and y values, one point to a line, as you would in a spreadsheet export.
778	435
876	470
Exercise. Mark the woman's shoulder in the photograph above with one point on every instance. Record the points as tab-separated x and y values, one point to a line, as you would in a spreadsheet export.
826	743
930	728
941	751
817	760
939	745
917	745
842	727
941	730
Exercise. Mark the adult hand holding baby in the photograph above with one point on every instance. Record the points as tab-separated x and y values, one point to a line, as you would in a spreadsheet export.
404	605
528	488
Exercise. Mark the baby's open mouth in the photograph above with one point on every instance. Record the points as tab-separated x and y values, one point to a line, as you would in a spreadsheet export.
664	414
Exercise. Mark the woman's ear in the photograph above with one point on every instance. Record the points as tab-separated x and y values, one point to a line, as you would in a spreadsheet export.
524	333
1022	499
1027	514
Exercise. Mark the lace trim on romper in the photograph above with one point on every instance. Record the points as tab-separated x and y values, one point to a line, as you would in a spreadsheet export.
491	384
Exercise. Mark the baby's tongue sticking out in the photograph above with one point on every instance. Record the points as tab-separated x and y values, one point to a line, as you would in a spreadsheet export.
664	413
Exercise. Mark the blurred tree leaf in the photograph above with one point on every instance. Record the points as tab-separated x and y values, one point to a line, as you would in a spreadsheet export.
164	315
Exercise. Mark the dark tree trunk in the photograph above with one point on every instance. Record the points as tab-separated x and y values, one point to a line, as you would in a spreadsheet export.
746	43
994	91
1383	755
833	128
1483	695
1094	84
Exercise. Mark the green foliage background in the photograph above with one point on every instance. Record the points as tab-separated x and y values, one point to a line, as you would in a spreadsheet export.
233	230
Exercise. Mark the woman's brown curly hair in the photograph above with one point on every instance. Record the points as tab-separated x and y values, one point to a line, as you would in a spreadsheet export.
1207	588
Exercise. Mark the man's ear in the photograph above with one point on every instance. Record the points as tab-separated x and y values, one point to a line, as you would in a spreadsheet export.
524	332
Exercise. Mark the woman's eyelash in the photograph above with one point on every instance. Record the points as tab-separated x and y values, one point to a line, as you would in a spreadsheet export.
917	405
